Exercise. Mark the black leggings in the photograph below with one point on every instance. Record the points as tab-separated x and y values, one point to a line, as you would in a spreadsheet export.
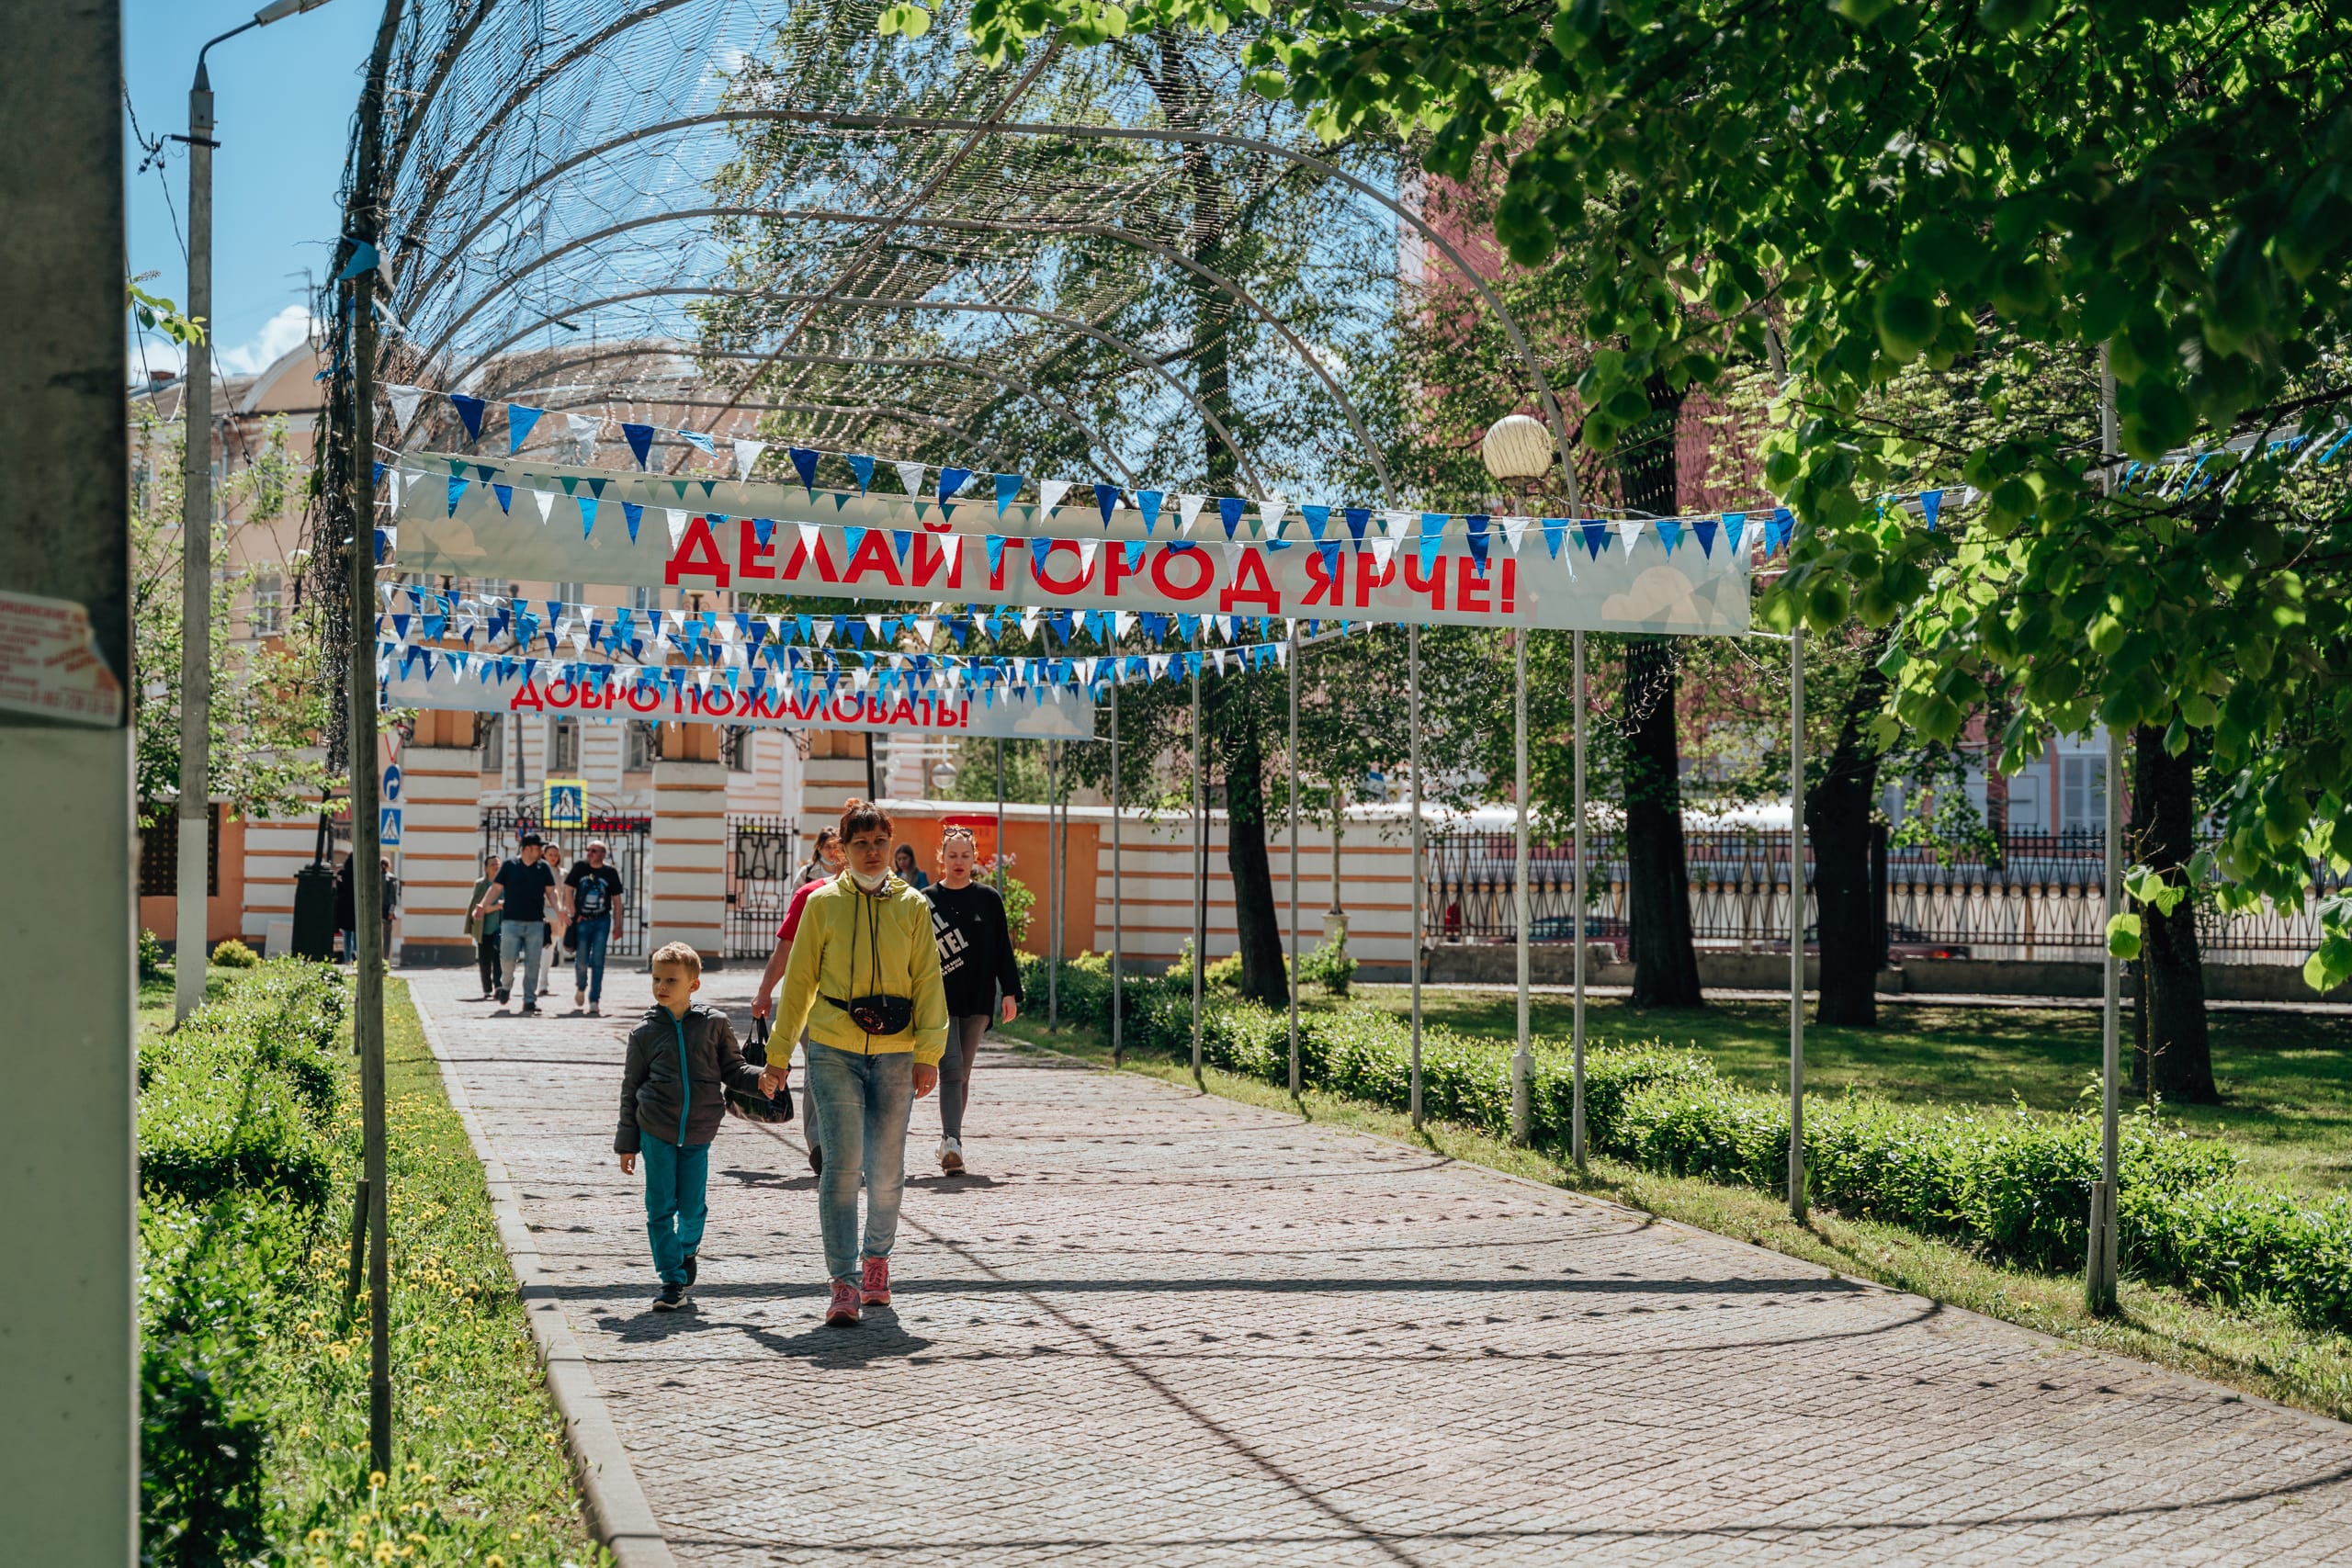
486	955
964	1032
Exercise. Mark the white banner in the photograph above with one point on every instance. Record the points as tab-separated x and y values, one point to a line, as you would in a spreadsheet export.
609	692
606	527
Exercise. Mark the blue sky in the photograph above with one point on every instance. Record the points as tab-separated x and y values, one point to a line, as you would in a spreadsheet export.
283	98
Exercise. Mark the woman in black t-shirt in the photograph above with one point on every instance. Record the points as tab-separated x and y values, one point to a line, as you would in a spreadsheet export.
976	959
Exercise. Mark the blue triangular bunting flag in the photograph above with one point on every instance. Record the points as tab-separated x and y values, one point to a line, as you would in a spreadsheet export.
804	463
635	512
470	410
864	468
520	419
640	442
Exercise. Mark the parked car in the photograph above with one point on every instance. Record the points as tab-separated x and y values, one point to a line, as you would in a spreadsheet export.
1902	942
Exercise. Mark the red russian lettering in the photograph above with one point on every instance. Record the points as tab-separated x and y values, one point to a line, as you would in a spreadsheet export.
528	698
750	556
903	714
1249	586
1433	585
1510	586
641	690
1163	561
698	556
929	560
1115	567
1038	574
1470	586
1367	578
1320	587
874	554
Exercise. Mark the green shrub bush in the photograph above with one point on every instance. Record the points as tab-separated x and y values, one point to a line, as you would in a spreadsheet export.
235	955
1330	966
2013	1185
153	964
235	1109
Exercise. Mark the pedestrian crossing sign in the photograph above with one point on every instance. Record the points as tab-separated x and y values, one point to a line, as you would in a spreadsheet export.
388	826
566	804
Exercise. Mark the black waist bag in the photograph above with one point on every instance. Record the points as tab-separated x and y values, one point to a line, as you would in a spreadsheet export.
772	1109
878	1015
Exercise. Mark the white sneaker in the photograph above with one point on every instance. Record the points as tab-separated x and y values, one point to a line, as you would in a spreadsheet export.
951	1155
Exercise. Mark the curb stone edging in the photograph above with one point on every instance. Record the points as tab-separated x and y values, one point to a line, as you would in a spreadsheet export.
617	1511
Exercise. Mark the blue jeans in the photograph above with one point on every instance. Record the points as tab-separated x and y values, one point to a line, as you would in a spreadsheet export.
861	1104
675	1208
522	939
588	968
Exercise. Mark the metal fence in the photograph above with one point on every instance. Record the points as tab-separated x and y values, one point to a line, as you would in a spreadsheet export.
763	859
2032	896
625	835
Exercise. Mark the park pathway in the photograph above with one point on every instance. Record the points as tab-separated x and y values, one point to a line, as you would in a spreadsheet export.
1162	1328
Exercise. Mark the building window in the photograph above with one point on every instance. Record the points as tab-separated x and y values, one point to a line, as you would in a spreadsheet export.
641	746
736	747
563	747
571	593
2082	793
642	598
269	617
490	734
159	851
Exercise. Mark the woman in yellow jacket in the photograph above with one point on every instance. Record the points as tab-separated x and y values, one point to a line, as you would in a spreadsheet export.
864	980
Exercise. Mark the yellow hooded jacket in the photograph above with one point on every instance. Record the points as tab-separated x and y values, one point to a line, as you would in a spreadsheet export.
896	954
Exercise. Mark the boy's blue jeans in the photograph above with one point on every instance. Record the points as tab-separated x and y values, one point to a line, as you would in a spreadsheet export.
862	1104
675	1205
588	970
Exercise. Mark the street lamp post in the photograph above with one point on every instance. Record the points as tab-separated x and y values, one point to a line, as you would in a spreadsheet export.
196	537
1518	451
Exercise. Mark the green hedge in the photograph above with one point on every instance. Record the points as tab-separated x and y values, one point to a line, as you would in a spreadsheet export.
235	1109
2014	1185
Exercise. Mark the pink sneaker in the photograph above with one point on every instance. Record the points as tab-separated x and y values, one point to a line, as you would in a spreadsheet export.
876	1291
843	1309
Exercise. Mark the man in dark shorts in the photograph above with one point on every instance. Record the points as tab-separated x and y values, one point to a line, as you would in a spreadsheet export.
520	891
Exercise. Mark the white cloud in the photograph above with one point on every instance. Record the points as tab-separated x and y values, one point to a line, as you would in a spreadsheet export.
288	329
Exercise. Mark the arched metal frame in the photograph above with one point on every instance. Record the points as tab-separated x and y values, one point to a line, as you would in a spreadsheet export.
1052	405
1231	288
1071	323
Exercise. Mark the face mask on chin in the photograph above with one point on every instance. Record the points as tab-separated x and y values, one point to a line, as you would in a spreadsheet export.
870	884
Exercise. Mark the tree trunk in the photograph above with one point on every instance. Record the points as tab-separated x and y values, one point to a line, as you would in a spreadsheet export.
1657	888
2174	1054
1838	807
1258	928
1657	878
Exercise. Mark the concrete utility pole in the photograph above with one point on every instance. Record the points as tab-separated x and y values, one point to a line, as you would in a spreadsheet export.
1796	922
196	539
2100	1267
196	567
69	1364
1290	657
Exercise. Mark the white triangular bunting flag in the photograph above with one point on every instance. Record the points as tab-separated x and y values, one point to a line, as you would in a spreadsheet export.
1381	549
1122	621
1188	512
951	546
1630	531
746	454
910	475
1514	530
1029	620
1232	548
1400	524
1271	512
808	538
1086	548
1049	495
544	499
677	518
403	399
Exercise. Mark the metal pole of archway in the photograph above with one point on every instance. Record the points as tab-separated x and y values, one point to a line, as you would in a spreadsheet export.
1575	1119
1000	818
1200	865
1118	892
2099	1272
1053	882
1522	1061
1796	922
1291	659
1413	760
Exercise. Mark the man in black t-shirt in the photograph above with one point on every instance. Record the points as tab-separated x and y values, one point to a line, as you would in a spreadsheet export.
595	905
519	892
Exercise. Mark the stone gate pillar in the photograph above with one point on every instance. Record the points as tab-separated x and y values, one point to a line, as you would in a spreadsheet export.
688	863
440	853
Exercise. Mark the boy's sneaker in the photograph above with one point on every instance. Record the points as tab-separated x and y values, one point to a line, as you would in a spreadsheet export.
843	1309
672	1298
691	1267
875	1289
951	1155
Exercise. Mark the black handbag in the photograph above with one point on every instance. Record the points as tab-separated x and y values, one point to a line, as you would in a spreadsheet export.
770	1109
879	1013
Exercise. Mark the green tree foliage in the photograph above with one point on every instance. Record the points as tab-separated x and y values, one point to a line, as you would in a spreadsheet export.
267	710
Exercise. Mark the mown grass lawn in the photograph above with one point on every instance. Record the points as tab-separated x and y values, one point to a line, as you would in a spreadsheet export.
2286	1078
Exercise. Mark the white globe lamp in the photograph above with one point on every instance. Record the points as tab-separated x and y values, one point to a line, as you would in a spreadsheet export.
1517	449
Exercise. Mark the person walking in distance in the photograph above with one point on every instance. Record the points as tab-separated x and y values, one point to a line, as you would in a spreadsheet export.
774	977
903	862
484	928
596	891
824	860
976	962
681	1060
864	977
556	925
520	892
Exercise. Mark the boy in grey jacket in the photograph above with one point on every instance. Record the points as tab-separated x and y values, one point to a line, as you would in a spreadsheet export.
681	1060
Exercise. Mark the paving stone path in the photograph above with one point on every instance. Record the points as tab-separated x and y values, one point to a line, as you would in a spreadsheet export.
1156	1327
